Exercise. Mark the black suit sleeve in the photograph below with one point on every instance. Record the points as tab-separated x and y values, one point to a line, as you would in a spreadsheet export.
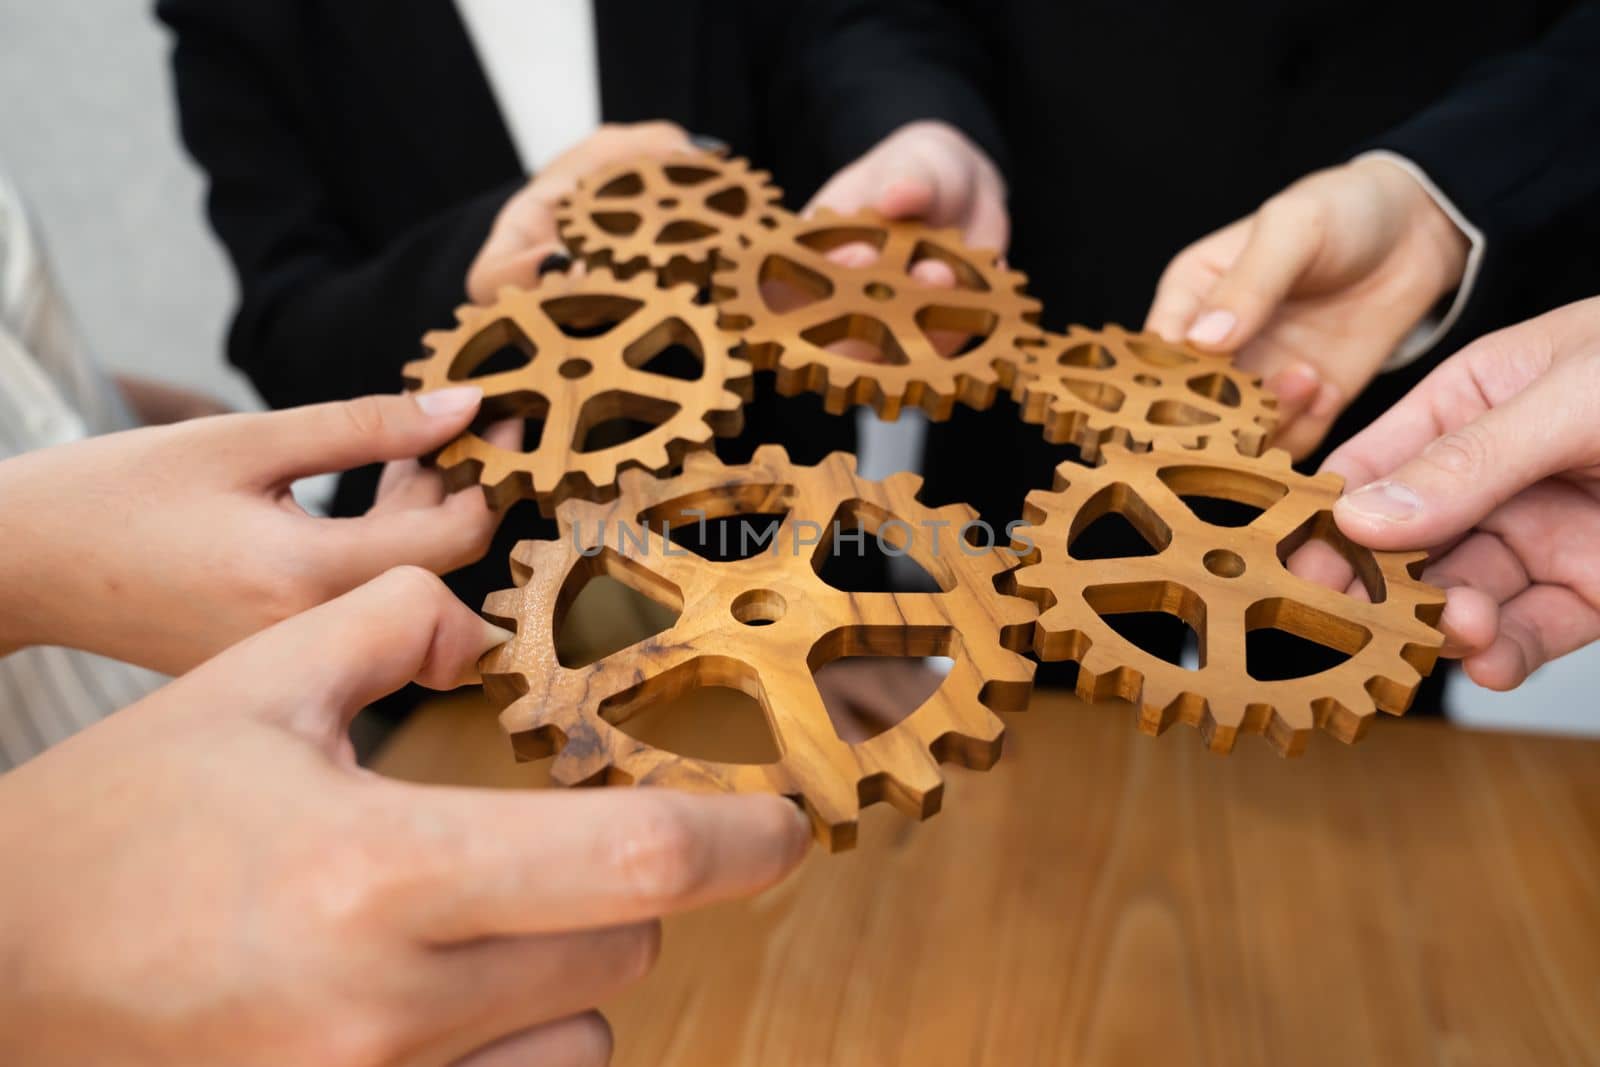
321	316
1517	145
864	68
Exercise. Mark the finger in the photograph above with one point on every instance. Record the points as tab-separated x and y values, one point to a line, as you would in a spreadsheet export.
1488	372
1285	237
580	1041
440	539
329	438
1306	431
406	484
1189	276
470	996
318	668
846	192
1296	387
480	860
512	258
988	222
1539	625
1470	622
1468	472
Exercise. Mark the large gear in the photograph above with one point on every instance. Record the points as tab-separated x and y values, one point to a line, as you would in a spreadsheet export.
1087	387
763	624
588	341
825	306
1224	583
671	215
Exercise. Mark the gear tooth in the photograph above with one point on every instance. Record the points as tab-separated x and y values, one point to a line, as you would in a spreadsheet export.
770	456
915	786
538	556
701	460
501	605
634	481
576	766
907	483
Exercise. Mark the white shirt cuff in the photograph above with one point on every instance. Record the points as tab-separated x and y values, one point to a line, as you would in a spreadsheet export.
1427	333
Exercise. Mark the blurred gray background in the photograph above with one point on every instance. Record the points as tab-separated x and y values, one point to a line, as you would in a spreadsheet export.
87	131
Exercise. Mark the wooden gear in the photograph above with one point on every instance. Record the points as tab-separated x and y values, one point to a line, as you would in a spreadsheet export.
880	305
671	216
762	625
1224	583
588	339
1087	387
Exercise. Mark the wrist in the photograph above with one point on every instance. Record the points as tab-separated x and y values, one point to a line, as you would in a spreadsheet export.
27	619
1442	244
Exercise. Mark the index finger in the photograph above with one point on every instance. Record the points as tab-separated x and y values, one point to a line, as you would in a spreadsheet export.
480	863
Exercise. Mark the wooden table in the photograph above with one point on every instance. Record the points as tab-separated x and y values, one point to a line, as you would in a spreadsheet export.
1430	896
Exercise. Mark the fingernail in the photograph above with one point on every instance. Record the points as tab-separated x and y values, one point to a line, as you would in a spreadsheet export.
1213	327
804	821
707	143
1386	501
452	401
495	636
555	261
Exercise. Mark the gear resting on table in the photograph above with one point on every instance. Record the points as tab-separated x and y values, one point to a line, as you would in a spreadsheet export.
764	624
1224	582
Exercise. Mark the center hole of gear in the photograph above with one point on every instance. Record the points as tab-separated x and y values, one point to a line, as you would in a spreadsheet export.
758	607
575	368
879	291
1224	563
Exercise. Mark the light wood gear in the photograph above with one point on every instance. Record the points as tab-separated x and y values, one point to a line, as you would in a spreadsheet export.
1224	583
1087	387
589	340
763	625
859	332
671	216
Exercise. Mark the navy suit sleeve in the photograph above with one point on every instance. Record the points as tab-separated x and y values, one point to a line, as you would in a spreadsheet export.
321	316
1517	145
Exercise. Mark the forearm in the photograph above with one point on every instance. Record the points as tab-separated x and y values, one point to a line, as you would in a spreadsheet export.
868	68
33	587
1514	146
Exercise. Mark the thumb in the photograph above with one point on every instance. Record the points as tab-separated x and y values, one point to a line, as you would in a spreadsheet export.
314	671
1285	237
1464	475
328	438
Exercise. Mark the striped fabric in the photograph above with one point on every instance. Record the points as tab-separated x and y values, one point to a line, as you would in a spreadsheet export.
50	393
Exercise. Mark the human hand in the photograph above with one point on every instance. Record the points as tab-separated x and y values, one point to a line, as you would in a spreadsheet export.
165	545
207	876
1316	289
930	171
156	403
1493	462
524	233
865	696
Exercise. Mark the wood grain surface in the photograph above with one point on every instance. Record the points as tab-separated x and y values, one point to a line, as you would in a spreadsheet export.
1101	898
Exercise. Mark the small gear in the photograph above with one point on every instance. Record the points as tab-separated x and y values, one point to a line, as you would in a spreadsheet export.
668	215
597	371
1224	583
867	330
1091	386
763	624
